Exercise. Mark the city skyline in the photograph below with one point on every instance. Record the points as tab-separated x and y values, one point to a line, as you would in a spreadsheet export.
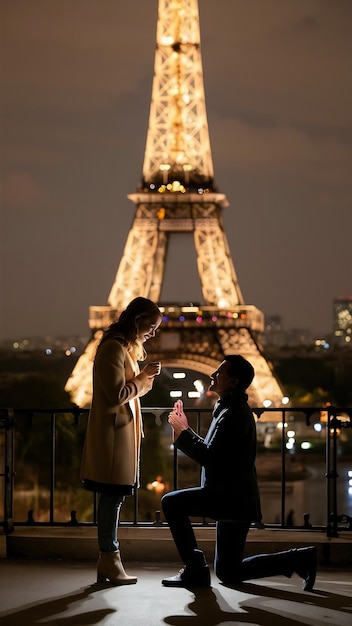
75	107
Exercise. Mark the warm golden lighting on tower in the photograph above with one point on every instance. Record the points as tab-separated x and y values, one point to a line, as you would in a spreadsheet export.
178	195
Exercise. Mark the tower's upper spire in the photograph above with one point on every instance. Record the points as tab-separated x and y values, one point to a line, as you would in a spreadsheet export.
178	151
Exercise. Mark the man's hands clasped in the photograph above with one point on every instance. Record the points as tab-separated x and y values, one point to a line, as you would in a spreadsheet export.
177	418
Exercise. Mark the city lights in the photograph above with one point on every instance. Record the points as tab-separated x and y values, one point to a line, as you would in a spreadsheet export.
175	394
199	385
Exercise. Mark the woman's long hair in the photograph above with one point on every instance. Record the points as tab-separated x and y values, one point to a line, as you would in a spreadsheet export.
125	329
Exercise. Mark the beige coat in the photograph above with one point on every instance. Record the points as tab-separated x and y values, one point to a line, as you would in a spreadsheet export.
112	444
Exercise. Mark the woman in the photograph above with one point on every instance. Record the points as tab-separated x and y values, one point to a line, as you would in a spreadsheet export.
110	460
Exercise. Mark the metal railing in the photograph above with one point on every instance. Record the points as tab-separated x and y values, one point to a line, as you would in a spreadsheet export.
335	421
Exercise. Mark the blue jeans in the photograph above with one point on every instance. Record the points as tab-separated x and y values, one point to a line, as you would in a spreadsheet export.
108	520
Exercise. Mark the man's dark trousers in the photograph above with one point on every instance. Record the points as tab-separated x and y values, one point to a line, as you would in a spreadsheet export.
229	565
179	506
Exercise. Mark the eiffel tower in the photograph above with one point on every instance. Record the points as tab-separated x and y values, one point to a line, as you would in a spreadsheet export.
177	194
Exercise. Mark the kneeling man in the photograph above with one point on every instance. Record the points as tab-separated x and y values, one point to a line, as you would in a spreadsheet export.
228	493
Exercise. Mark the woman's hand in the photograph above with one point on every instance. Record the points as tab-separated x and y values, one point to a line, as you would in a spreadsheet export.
152	369
177	418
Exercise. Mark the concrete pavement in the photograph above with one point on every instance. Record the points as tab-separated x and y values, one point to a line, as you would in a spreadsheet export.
62	593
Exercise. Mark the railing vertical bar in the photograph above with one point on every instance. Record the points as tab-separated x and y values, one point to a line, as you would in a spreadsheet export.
198	431
95	507
335	476
283	469
327	473
175	465
9	470
199	422
135	510
53	460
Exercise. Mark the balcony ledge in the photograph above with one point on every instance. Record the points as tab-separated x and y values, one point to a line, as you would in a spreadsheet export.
155	544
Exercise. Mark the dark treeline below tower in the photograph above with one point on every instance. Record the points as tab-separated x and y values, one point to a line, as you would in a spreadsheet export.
177	194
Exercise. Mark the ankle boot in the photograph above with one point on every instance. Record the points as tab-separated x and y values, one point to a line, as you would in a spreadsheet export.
304	563
110	568
196	573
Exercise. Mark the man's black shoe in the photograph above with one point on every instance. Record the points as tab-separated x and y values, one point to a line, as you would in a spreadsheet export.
195	574
188	582
305	565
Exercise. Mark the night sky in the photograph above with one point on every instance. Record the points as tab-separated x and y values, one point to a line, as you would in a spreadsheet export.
76	86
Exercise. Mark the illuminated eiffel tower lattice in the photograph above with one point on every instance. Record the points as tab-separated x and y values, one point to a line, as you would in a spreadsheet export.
178	195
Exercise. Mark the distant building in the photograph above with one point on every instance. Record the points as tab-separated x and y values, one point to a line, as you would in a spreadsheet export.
299	337
343	321
274	335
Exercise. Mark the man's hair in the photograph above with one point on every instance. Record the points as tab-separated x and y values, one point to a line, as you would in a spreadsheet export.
241	369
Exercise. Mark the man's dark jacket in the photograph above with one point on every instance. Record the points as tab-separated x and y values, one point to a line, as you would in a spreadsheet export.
227	455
